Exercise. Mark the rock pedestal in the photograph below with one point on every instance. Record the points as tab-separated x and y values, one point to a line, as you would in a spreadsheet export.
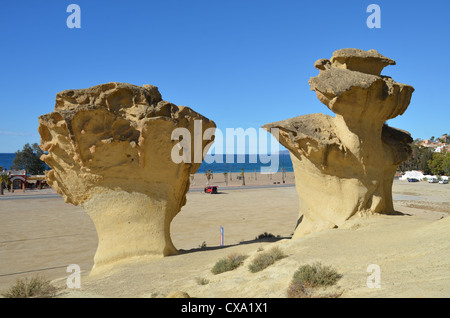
110	149
345	165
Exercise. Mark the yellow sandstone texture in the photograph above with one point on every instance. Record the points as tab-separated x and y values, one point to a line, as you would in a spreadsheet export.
345	165
109	147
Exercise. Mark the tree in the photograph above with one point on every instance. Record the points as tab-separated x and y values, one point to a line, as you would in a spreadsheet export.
445	138
243	176
29	159
418	160
436	163
446	164
3	179
208	175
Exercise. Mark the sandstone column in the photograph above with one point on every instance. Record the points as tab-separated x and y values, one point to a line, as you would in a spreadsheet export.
345	165
109	147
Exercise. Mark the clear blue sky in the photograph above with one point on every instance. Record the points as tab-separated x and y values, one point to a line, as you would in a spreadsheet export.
241	63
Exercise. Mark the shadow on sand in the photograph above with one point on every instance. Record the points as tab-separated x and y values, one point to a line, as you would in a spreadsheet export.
256	240
263	238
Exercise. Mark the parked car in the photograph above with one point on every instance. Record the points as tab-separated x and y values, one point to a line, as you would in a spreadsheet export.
413	180
443	181
211	189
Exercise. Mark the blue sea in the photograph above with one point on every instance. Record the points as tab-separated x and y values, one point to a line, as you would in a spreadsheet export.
6	160
250	163
218	163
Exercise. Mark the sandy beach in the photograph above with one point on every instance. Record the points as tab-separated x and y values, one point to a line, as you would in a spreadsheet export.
42	235
250	178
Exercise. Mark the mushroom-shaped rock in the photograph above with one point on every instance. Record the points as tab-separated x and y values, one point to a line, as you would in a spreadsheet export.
345	165
111	150
370	62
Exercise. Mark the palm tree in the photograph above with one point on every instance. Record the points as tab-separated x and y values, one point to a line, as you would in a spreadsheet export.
3	179
243	177
225	175
208	175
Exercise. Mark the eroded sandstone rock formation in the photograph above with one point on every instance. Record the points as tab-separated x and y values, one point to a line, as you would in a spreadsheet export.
109	147
345	165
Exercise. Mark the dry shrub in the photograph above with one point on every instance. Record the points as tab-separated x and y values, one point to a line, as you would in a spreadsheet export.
309	277
266	237
228	263
299	290
265	259
202	281
35	287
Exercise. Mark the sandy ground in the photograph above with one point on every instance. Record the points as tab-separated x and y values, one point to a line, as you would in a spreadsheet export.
42	236
199	180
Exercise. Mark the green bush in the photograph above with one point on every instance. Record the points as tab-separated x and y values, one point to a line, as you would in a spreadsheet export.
36	287
228	263
265	259
308	277
316	275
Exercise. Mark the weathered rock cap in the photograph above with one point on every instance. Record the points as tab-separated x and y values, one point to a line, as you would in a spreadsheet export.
353	76
370	62
113	129
113	95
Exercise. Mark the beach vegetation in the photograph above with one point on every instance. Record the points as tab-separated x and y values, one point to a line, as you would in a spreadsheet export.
243	176
265	259
209	175
439	164
202	281
266	236
308	277
29	159
418	159
225	175
4	178
428	161
34	287
228	263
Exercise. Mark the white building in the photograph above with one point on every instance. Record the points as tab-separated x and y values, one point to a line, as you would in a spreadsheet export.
412	174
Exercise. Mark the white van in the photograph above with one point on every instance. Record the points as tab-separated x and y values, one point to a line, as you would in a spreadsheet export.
433	179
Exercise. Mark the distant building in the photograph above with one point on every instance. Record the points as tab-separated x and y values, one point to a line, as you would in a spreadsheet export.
437	145
439	149
412	174
17	177
20	179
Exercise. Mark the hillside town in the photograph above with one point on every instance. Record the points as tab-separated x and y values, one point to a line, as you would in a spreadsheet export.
441	144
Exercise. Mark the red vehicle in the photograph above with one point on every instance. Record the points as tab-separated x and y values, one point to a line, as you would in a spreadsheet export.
211	189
